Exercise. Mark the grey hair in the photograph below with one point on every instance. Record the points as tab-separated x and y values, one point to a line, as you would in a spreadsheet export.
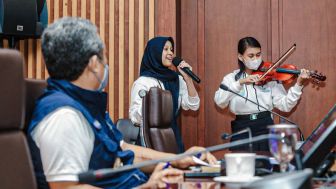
67	46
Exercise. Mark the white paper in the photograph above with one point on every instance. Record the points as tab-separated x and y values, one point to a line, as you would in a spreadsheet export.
201	162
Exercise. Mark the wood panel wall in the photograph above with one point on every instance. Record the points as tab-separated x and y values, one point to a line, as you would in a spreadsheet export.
210	30
124	25
312	28
206	33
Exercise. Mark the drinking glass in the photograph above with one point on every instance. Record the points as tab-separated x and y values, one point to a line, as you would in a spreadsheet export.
283	149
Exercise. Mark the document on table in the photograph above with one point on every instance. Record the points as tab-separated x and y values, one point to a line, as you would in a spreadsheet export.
201	162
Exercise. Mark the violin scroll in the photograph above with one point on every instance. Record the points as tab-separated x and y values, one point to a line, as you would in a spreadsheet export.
317	77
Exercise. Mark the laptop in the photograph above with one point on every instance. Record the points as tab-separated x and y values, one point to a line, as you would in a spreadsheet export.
315	150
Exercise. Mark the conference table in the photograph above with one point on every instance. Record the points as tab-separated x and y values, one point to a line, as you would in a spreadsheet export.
205	183
208	183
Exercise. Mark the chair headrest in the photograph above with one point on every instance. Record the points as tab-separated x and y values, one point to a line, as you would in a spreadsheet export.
34	89
12	96
129	131
160	103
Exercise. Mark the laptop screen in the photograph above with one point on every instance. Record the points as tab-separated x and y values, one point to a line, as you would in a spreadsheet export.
319	130
321	141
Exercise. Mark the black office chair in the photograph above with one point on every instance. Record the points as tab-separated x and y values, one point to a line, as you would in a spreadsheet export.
157	112
34	89
129	131
15	161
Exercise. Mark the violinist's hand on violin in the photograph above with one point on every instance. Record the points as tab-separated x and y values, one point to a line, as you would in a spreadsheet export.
249	79
304	76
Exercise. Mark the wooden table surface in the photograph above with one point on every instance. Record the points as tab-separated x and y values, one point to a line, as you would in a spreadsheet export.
209	183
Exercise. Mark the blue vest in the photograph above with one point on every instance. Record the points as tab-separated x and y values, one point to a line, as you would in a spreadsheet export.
92	105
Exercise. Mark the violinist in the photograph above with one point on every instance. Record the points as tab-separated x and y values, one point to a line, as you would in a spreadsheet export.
270	95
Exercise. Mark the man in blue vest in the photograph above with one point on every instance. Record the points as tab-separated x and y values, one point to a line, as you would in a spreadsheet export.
71	132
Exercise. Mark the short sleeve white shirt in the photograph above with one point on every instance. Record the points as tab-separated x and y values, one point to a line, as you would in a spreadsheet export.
65	140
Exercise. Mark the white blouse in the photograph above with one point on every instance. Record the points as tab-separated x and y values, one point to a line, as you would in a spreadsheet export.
270	95
145	83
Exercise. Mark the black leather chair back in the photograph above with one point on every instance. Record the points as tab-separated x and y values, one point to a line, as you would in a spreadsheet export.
16	169
157	111
129	131
34	89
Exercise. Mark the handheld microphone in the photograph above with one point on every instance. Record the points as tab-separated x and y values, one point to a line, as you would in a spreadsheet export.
246	130
226	88
101	174
177	61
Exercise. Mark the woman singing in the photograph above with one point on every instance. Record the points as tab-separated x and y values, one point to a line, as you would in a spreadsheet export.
156	71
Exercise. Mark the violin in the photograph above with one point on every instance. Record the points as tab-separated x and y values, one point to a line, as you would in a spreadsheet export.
285	73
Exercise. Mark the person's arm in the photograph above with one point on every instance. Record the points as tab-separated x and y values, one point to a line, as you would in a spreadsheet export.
189	82
135	110
188	102
70	185
144	154
222	97
161	176
285	101
188	93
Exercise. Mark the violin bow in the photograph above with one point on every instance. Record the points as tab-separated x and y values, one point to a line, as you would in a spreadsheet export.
281	60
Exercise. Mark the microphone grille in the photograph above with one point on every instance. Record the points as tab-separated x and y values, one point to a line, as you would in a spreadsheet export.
177	61
225	136
224	87
142	93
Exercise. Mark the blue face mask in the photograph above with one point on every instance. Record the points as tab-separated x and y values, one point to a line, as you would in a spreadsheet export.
103	82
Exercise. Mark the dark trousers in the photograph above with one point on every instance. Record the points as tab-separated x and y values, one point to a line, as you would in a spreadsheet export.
178	137
258	127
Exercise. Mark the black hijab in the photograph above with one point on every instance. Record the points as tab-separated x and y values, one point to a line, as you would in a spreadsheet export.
151	66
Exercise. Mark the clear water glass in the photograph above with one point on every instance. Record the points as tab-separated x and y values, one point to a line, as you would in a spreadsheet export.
283	150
